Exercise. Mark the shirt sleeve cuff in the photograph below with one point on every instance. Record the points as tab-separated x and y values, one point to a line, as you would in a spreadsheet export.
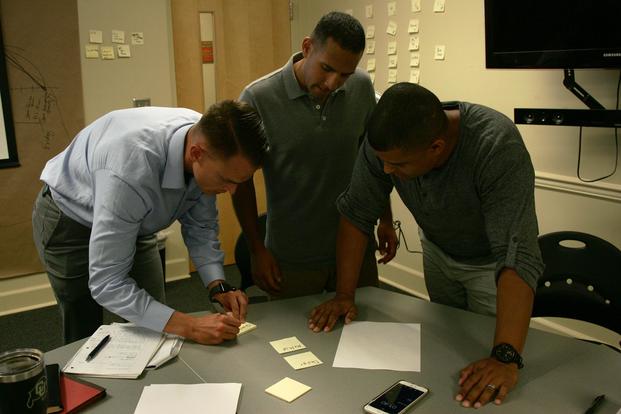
211	272
156	316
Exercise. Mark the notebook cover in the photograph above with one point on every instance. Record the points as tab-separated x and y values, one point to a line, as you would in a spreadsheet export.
77	393
52	373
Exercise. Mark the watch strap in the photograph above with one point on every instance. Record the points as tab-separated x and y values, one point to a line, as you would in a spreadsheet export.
221	287
507	354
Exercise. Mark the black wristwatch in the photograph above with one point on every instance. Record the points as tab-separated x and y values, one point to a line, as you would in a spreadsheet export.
221	287
507	354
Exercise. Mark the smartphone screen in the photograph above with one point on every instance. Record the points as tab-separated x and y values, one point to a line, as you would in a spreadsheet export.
397	398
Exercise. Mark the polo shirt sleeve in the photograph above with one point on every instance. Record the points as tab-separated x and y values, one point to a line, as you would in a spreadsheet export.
506	189
199	228
118	210
368	193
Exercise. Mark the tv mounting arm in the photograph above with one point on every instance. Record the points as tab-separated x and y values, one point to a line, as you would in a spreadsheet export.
570	83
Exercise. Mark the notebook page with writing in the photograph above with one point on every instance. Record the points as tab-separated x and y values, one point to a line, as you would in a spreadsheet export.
125	356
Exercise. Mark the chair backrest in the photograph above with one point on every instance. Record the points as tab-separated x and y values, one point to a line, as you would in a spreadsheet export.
242	254
582	279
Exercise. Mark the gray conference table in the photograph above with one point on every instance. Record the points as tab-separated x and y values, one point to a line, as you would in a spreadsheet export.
562	375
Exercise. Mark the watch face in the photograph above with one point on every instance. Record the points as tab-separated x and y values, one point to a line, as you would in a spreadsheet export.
506	353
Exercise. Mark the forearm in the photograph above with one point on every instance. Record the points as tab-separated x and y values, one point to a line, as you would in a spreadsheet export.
351	244
386	216
245	205
180	324
513	307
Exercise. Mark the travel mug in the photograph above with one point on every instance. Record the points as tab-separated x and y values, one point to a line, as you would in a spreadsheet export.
23	385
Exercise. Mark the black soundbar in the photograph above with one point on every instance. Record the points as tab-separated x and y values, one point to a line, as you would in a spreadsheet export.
568	117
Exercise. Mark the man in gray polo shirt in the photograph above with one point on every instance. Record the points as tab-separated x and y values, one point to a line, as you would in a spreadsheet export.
465	175
314	110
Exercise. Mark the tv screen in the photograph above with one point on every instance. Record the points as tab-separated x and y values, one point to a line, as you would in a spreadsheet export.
563	34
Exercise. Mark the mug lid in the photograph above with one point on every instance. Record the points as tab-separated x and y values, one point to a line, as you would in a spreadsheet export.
20	364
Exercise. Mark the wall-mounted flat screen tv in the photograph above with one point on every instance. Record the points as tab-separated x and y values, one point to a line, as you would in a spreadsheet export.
553	34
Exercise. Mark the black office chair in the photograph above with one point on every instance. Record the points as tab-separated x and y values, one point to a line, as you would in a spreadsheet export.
242	254
582	279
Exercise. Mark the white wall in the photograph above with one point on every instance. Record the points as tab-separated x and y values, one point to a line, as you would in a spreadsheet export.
563	202
111	84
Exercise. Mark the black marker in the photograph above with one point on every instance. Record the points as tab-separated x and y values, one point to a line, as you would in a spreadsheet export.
98	348
596	402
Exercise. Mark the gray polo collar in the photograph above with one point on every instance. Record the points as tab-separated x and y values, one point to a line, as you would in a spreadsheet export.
293	88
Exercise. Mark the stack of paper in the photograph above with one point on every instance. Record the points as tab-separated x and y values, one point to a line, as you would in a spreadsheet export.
189	399
168	350
125	356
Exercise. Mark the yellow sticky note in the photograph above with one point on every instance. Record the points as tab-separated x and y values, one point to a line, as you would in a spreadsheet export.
288	389
246	327
303	360
282	346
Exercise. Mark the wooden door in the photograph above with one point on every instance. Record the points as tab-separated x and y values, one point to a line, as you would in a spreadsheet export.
252	38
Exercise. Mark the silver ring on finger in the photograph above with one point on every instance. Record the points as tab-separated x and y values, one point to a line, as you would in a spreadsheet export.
491	387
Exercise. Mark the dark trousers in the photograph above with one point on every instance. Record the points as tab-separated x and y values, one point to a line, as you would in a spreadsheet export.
63	246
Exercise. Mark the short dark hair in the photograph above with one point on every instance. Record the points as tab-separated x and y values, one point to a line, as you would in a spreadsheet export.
344	29
234	127
406	117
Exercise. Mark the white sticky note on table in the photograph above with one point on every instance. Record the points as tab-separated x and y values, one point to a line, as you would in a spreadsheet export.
392	75
118	36
413	26
92	51
371	64
288	389
368	11
414	59
95	36
391	29
303	360
391	8
392	61
416	6
137	38
379	345
123	51
246	327
414	75
282	346
370	47
414	43
392	48
107	52
370	34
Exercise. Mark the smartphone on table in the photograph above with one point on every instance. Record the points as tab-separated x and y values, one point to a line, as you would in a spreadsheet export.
397	399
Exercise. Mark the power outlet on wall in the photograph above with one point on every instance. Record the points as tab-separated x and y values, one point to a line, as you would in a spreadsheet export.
139	102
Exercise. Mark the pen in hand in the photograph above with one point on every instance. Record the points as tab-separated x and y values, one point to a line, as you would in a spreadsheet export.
98	348
596	402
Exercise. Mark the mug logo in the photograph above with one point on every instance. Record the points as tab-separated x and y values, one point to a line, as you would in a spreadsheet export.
37	392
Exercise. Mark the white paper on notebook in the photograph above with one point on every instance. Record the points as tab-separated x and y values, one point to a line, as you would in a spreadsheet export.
189	399
125	356
379	345
288	389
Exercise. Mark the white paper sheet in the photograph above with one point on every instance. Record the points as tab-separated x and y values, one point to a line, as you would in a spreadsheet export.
125	356
379	345
189	399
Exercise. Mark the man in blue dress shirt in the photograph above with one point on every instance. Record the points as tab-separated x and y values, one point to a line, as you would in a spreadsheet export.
123	178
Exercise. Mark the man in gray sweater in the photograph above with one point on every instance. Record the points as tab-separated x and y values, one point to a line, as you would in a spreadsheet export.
465	175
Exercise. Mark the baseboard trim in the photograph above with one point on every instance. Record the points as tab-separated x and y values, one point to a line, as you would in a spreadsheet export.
571	185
